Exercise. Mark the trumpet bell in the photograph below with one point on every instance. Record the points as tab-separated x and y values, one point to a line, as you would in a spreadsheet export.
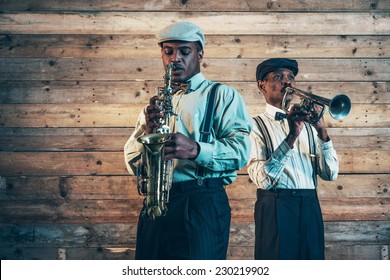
339	106
294	98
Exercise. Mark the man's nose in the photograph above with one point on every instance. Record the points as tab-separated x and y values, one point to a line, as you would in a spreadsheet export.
175	56
285	80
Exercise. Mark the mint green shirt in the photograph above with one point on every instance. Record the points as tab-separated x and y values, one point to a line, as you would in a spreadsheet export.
229	146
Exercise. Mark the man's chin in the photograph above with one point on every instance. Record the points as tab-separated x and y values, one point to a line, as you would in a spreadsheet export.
178	78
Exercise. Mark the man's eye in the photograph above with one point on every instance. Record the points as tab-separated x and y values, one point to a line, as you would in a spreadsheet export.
185	52
278	77
168	52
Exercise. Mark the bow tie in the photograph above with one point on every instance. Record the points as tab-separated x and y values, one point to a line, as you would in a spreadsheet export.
179	87
280	116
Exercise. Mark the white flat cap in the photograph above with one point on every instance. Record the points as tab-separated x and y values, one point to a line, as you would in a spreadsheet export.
181	31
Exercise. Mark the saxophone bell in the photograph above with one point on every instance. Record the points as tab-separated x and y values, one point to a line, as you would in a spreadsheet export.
156	178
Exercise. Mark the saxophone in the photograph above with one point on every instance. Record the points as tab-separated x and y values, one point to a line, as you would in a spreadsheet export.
154	179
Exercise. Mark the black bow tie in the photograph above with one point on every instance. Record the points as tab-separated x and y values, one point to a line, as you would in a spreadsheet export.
280	116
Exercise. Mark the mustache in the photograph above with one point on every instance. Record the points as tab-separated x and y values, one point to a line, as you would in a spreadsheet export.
177	67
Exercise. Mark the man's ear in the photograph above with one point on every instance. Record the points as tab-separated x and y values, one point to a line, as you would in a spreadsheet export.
200	55
260	85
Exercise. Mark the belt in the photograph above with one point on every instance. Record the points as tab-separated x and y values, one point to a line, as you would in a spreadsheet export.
194	184
287	192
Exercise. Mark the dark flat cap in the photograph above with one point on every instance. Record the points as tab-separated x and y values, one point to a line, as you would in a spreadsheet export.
273	64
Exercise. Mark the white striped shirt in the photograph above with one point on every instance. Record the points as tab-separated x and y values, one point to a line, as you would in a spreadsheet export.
288	168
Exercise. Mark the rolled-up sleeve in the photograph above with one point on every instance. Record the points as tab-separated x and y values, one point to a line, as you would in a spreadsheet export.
328	164
133	149
262	171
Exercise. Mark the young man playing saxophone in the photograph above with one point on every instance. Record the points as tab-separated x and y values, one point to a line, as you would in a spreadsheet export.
197	222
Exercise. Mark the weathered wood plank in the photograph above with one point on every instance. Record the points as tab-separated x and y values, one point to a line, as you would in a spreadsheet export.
346	186
360	161
62	211
64	139
343	232
199	5
63	164
349	209
135	23
355	252
134	92
126	115
226	46
112	163
342	239
357	232
354	186
360	138
100	92
74	188
21	253
113	139
107	252
116	69
69	115
356	209
332	252
68	235
124	187
124	234
94	253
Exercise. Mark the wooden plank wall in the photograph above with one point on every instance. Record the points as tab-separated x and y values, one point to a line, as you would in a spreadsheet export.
75	74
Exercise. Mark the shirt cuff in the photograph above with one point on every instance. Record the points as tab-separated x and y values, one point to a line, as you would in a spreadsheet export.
204	156
325	145
282	152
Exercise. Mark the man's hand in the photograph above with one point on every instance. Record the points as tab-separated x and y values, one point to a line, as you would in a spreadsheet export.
181	147
321	130
295	119
320	127
153	113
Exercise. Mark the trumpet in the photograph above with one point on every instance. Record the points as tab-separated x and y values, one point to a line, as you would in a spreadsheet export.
294	98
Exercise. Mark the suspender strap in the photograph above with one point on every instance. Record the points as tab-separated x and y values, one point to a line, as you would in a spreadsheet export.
263	129
269	148
207	123
312	152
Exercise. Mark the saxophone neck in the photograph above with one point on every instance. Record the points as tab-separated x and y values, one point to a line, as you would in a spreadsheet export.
165	101
168	79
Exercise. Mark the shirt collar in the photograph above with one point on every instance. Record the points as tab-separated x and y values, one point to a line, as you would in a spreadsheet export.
271	111
195	81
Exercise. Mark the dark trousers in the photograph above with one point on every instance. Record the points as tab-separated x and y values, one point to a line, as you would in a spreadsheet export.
196	226
288	225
